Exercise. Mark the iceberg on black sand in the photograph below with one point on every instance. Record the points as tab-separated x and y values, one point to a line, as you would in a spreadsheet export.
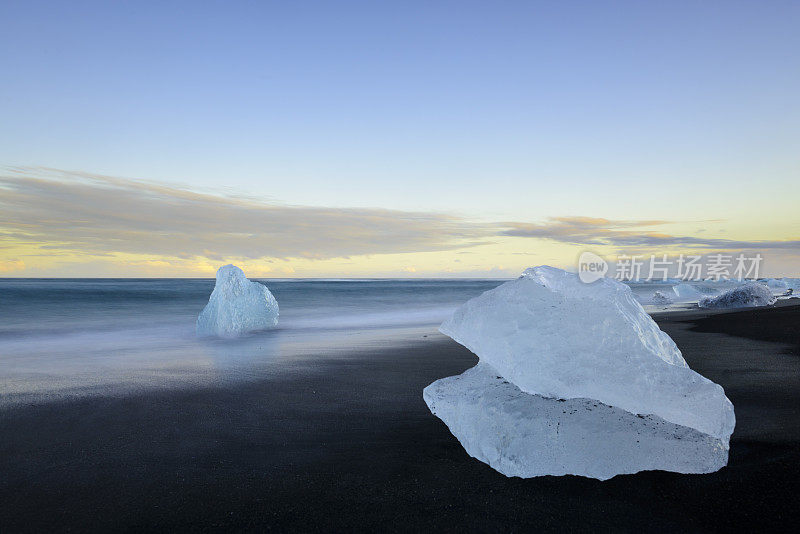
577	378
749	295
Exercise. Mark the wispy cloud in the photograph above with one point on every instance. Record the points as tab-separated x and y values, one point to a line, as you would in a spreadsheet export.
57	213
100	214
636	234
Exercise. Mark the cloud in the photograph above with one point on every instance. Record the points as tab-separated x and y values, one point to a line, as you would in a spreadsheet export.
599	232
94	214
58	213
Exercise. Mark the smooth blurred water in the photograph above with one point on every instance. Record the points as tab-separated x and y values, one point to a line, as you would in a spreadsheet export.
83	336
78	336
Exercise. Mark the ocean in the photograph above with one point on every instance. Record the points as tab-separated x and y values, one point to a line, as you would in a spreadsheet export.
87	336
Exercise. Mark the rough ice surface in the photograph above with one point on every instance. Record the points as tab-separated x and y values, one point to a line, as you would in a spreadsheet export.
661	298
552	335
237	306
748	295
525	435
577	379
777	286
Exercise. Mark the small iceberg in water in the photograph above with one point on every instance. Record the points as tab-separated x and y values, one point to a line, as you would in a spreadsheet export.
237	306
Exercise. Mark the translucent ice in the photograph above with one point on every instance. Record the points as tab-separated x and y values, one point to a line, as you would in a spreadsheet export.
777	286
686	292
747	295
525	435
237	306
661	298
552	335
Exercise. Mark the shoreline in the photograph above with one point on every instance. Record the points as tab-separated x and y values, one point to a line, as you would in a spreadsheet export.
346	442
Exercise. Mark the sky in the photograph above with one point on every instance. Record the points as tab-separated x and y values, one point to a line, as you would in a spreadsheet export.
359	139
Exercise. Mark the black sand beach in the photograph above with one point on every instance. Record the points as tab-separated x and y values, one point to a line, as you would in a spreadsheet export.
347	443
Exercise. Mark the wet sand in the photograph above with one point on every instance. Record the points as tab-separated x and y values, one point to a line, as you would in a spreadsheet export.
347	443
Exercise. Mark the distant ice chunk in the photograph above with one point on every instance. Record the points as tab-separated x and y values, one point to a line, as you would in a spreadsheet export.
552	335
525	435
793	286
237	306
792	283
686	292
661	298
777	286
748	295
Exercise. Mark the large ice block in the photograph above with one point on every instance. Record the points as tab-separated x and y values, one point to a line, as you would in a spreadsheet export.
551	334
525	435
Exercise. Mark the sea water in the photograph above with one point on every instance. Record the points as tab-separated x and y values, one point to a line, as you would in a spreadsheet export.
84	336
67	337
